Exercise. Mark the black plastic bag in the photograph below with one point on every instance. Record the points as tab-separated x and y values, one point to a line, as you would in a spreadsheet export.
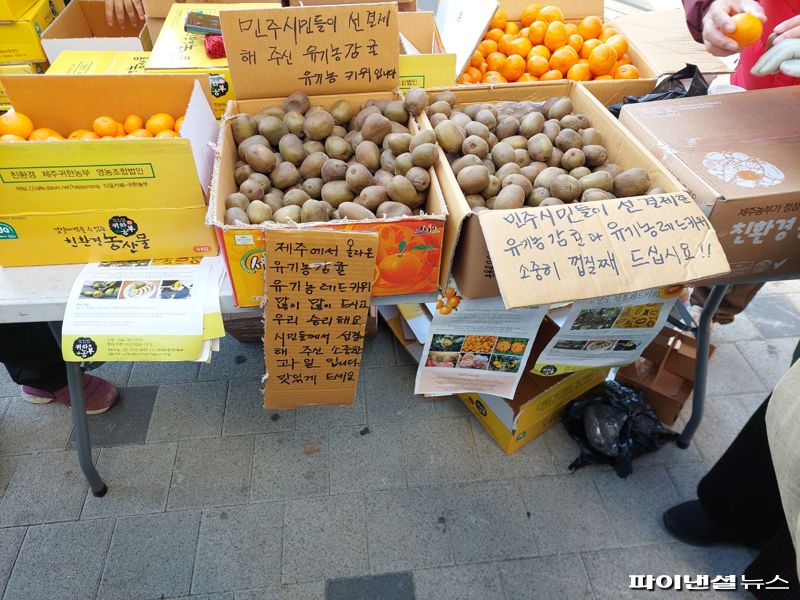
613	424
671	87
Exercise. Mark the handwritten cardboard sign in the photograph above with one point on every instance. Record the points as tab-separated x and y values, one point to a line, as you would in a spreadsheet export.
316	49
576	251
318	293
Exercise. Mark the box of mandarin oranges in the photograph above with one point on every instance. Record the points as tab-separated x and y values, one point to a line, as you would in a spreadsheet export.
569	39
107	172
308	144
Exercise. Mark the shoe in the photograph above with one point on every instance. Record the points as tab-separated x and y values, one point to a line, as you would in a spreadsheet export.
689	523
98	393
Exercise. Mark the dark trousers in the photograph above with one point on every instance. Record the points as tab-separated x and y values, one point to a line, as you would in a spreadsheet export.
740	493
31	355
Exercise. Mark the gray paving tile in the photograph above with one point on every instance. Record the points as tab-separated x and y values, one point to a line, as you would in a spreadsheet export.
402	356
7	466
449	407
61	560
235	360
669	455
750	402
290	465
774	316
723	418
379	350
245	413
481	530
7	387
635	504
730	374
324	538
150	556
780	288
547	577
390	396
563	448
45	487
742	329
567	513
439	451
127	421
364	459
713	560
239	548
610	570
10	541
117	373
163	373
323	417
298	591
175	404
532	459
408	529
30	427
390	586
473	582
211	472
770	359
685	479
138	480
222	596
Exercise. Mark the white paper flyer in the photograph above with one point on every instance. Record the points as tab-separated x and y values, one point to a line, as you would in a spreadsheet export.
607	332
149	310
476	346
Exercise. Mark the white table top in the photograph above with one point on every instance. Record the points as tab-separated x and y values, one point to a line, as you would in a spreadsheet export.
40	293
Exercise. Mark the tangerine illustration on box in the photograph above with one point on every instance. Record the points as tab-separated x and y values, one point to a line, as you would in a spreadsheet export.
409	254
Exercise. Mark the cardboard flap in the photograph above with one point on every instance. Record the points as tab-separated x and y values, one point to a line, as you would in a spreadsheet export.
576	251
662	36
95	13
419	28
199	126
70	23
326	49
462	25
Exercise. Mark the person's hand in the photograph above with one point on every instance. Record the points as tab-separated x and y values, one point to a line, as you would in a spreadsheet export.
717	22
787	30
120	8
783	56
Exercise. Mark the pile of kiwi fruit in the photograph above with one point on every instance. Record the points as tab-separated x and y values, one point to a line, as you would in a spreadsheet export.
510	155
306	164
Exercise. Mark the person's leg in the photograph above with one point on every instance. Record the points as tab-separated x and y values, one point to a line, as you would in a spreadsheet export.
776	559
735	301
31	355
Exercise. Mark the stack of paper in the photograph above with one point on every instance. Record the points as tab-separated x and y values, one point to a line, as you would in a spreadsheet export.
148	310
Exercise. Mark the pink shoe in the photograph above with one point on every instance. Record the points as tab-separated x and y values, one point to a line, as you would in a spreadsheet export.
99	395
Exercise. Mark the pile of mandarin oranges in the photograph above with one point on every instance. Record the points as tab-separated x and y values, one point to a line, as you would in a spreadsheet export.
17	127
543	47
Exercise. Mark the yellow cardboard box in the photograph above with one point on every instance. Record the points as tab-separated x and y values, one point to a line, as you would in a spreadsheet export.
80	201
18	68
20	41
176	51
424	61
98	62
11	10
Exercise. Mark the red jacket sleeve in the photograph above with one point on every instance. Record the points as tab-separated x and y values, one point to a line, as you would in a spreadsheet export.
695	11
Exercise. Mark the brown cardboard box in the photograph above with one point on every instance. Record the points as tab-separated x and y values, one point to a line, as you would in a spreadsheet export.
159	9
465	252
665	372
402	5
741	166
82	26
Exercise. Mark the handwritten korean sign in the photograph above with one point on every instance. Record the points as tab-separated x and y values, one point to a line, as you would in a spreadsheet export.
318	293
576	251
318	50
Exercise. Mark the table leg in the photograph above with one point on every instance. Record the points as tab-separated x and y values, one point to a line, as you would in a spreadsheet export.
703	335
83	443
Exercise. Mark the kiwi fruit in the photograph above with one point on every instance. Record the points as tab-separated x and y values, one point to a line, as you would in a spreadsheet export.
520	180
284	175
358	177
473	179
237	200
536	197
333	170
382	178
546	177
595	194
388	161
242	127
262	180
487	117
337	147
531	124
371	197
600	180
465	161
375	128
251	189
296	196
272	128
398	143
336	192
314	211
253	139
568	138
313	187
580	172
591	137
390	209
450	136
595	155
258	212
236	216
511	196
288	214
551	202
354	212
632	182
291	149
502	154
311	166
555	157
415	101
445	96
358	120
424	155
612	168
506	127
475	200
294	122
477	128
560	108
551	129
508	169
439	107
423	137
565	187
522	157
401	190
242	174
540	147
368	154
475	145
493	188
342	112
403	164
419	178
532	170
573	158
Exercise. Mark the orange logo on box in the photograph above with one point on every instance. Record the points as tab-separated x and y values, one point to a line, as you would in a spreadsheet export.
202	248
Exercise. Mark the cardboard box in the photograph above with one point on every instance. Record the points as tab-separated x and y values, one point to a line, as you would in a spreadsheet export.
465	253
83	201
21	68
159	9
739	166
154	26
176	51
82	26
243	246
20	41
538	402
402	5
11	10
610	91
76	62
665	372
424	60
